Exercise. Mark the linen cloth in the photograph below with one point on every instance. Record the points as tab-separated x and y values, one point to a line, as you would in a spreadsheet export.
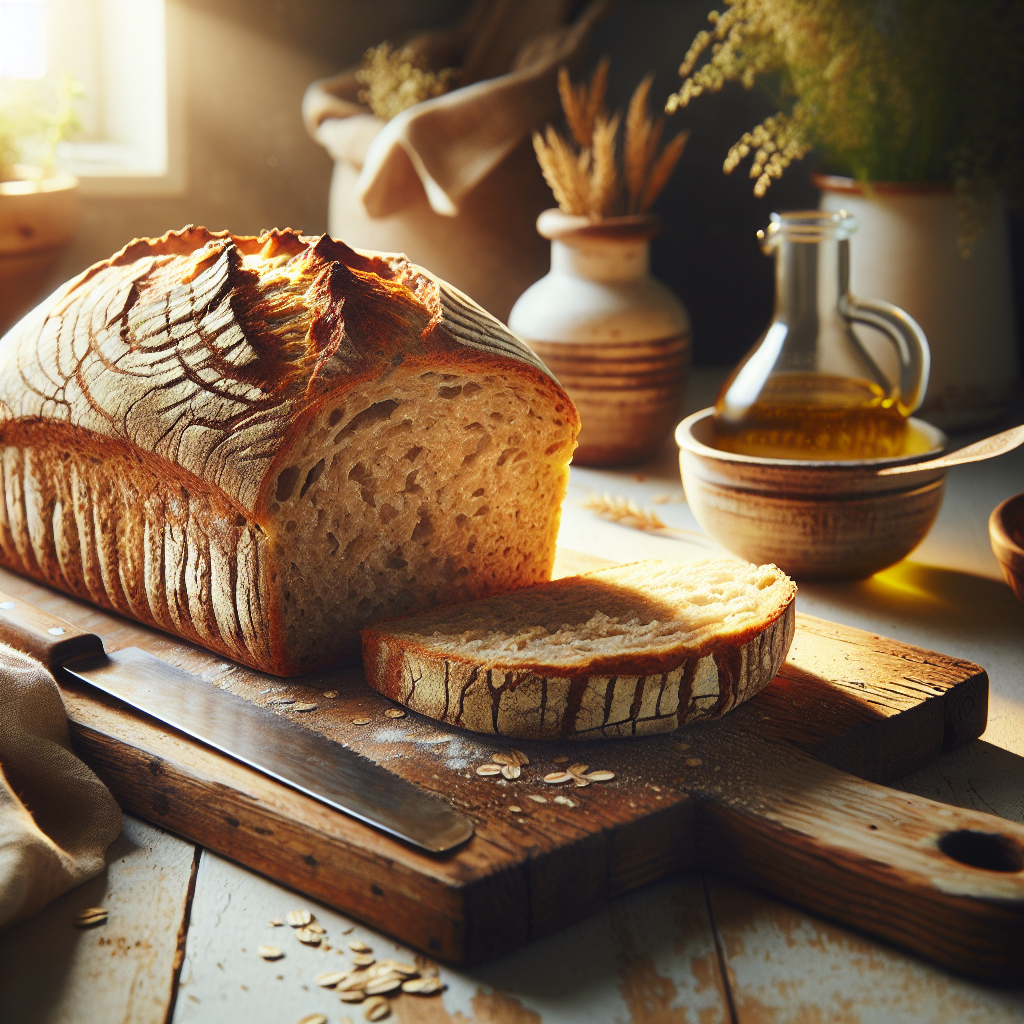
56	817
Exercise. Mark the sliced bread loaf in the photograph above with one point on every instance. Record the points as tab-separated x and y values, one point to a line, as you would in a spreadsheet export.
627	651
263	444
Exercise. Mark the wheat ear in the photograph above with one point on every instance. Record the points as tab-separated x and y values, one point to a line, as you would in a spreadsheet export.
662	170
604	178
636	146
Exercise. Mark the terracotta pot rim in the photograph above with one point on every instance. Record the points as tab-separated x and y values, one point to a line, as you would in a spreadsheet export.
61	182
688	442
850	186
999	530
566	227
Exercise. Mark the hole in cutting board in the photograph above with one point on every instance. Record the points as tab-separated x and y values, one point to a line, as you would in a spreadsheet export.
988	850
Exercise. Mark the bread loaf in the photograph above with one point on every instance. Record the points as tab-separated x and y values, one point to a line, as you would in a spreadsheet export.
263	444
628	651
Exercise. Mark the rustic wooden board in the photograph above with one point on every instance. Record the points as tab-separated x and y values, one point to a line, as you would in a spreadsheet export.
770	801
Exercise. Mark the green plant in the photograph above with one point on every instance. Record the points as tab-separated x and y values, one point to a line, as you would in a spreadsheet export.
885	90
30	130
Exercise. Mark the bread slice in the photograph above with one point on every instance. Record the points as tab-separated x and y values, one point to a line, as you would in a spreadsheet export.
264	444
627	651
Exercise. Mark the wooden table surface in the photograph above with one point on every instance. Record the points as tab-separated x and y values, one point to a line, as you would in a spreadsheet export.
180	942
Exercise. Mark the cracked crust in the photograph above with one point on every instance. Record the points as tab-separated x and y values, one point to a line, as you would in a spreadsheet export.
263	444
628	651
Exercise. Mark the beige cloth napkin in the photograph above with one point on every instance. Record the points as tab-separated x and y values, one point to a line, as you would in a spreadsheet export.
56	818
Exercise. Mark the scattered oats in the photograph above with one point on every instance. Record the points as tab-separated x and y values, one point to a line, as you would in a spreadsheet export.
91	917
383	986
276	922
330	978
331	693
308	937
429	970
605	777
407	969
661	499
354	980
280	700
314	1018
560	760
352	995
504	759
376	1008
553	778
362	959
511	771
681	746
425	986
359	947
303	707
349	930
490	769
523	759
269	952
579	782
345	1020
693	761
578	769
316	926
516	810
565	801
537	799
657	789
299	918
395	713
360	721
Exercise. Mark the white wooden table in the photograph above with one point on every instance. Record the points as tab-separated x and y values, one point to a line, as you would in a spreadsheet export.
180	942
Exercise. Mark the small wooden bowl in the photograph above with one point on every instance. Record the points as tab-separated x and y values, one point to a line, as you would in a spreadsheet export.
1006	534
816	520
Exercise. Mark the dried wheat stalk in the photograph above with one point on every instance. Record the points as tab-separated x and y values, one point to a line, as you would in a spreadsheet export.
624	511
586	179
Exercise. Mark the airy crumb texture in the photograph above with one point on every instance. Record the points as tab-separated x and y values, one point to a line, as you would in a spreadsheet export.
629	650
263	444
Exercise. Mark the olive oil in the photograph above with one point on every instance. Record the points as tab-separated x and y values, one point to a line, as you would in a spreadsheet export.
819	416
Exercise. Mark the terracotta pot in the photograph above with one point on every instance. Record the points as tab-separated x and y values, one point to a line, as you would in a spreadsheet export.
38	220
906	252
815	520
1006	534
616	338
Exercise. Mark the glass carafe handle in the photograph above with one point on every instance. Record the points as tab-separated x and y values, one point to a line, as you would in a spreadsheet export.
898	326
906	334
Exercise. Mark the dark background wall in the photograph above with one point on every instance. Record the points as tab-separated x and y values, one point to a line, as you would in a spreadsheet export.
242	67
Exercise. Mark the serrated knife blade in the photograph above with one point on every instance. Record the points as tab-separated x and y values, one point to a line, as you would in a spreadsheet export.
330	772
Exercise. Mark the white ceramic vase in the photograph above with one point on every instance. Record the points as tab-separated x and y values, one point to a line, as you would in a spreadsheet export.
906	252
616	338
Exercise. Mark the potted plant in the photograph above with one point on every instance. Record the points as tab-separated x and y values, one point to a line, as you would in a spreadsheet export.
914	108
38	206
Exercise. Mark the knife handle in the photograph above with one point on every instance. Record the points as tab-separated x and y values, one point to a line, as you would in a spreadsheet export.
42	636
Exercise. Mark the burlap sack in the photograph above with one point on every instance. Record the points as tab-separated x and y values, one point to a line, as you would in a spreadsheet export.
452	182
56	818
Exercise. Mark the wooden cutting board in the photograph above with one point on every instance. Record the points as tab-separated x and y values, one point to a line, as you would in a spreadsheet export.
781	793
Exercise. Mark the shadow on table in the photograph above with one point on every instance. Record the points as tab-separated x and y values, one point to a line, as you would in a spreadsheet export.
924	597
31	983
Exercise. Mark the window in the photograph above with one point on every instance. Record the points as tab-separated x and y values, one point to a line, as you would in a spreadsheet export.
117	49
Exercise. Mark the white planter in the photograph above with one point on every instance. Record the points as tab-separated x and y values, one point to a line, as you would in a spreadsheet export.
617	339
906	252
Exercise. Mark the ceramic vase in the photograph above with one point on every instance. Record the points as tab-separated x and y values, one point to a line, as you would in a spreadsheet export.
906	253
616	338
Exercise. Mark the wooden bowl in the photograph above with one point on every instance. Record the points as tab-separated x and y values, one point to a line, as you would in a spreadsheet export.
816	520
1006	534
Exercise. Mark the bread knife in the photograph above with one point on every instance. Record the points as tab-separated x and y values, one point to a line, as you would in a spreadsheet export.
330	772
